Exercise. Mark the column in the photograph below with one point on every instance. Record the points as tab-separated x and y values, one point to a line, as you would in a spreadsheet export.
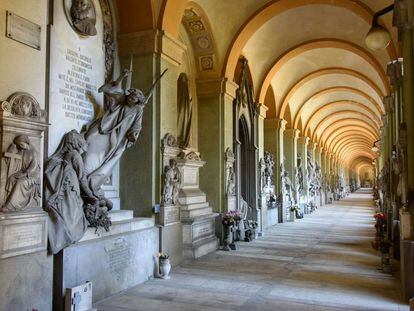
404	20
262	196
215	112
290	155
273	140
152	52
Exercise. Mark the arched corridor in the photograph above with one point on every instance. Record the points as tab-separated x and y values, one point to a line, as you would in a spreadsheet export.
322	262
206	154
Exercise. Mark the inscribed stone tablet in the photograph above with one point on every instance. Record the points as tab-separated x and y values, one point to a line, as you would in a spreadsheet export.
23	30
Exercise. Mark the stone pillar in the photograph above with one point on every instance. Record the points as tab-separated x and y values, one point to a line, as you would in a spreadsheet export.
263	219
324	176
215	109
404	21
152	52
290	152
274	129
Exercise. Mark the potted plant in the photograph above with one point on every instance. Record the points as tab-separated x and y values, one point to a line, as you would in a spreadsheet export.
165	266
229	219
294	211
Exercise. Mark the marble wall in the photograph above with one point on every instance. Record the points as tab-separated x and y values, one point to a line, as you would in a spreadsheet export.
23	68
118	262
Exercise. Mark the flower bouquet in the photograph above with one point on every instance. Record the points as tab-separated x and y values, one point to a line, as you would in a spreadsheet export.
231	218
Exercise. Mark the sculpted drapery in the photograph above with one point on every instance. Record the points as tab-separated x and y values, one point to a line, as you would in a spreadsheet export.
184	107
75	173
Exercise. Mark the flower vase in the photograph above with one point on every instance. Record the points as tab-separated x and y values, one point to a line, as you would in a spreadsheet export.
385	260
227	237
292	215
165	268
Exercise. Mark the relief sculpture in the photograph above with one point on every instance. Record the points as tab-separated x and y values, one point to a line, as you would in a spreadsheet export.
83	18
171	186
23	176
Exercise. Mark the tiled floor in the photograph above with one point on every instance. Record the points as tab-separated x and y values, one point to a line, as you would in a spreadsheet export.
323	262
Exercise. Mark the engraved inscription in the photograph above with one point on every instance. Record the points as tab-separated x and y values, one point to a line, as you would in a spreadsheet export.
119	257
23	30
202	230
190	177
24	235
75	86
172	215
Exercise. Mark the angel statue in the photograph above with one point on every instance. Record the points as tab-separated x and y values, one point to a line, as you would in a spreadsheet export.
111	134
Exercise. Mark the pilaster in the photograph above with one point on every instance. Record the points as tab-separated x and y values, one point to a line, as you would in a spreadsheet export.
215	99
150	53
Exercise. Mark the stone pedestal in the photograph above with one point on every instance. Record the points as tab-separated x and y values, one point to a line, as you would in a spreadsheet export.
196	213
25	268
113	261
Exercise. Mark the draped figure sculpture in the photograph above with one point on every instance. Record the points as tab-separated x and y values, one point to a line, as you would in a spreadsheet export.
76	172
184	107
66	187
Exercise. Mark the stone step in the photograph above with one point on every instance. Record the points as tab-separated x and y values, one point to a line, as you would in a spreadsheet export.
192	199
120	215
191	213
119	227
194	206
201	248
191	196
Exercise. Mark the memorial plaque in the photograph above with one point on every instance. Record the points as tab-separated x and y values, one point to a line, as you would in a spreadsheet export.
169	214
22	234
23	30
77	70
202	230
119	257
190	177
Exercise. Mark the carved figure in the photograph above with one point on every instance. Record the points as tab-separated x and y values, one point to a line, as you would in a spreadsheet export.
299	177
66	188
172	179
185	108
317	179
80	12
311	177
23	176
287	186
110	135
268	170
231	181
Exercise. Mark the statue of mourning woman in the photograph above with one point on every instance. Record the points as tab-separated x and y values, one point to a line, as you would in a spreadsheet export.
23	176
66	189
184	107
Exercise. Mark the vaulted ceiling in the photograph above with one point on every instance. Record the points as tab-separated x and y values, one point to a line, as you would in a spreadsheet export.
308	61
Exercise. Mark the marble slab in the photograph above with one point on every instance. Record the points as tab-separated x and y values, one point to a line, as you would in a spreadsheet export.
22	233
112	263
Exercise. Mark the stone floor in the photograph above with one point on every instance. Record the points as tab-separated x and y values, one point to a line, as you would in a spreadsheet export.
322	262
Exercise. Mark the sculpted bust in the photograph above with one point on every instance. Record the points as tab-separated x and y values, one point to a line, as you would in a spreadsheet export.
80	12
